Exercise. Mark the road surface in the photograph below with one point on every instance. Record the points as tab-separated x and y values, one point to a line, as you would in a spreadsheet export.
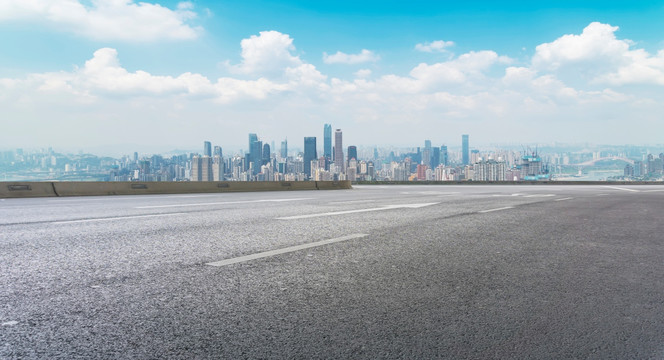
477	272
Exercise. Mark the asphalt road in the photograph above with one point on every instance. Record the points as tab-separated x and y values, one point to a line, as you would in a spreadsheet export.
477	272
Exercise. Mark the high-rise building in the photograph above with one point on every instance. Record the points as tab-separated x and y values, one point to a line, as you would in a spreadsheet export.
444	157
266	154
465	150
339	161
256	156
195	174
435	157
207	148
284	149
309	154
217	151
327	141
426	153
217	168
352	152
253	138
206	169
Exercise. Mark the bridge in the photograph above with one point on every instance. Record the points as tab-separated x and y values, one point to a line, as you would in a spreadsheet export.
606	158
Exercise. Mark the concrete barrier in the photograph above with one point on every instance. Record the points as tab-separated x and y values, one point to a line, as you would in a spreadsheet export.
26	189
333	185
91	188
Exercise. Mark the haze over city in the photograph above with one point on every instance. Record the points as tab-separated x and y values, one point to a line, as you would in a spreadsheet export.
119	76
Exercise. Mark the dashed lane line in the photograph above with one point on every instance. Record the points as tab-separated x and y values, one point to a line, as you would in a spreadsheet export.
334	213
285	250
497	209
219	203
621	188
563	199
114	218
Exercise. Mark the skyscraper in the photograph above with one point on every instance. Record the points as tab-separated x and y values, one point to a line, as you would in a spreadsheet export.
352	152
444	157
339	161
465	150
253	138
266	154
327	141
284	148
256	156
435	157
426	153
309	154
217	151
207	148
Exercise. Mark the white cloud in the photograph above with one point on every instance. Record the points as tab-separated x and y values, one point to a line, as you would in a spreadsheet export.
342	58
362	73
123	20
275	87
434	46
268	53
599	57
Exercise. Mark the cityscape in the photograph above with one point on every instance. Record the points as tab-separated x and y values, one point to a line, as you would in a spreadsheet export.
331	160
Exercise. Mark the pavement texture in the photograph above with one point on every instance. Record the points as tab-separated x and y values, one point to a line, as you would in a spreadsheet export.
459	272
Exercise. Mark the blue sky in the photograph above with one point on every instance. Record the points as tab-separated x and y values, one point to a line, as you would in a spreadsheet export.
169	74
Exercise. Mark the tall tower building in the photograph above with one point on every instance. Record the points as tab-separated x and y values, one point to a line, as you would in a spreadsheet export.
444	157
266	153
465	150
207	148
327	141
435	157
426	153
217	151
195	169
309	154
352	152
339	161
256	156
284	149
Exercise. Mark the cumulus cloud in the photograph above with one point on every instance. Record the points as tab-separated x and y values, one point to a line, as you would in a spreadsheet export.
599	56
434	46
268	53
343	58
123	20
273	83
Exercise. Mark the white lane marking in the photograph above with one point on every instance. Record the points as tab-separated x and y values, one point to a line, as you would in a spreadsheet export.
620	188
284	250
601	194
563	199
219	203
653	190
388	207
9	323
114	218
350	202
539	195
498	209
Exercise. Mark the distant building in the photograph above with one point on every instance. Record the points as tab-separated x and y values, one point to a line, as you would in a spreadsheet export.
489	170
352	152
309	154
327	143
465	150
207	148
339	161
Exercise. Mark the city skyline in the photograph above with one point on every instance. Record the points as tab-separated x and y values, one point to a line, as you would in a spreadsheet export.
387	73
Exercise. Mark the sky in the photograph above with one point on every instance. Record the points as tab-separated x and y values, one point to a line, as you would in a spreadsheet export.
122	75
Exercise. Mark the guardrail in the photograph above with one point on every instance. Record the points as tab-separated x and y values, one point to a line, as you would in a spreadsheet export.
95	188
